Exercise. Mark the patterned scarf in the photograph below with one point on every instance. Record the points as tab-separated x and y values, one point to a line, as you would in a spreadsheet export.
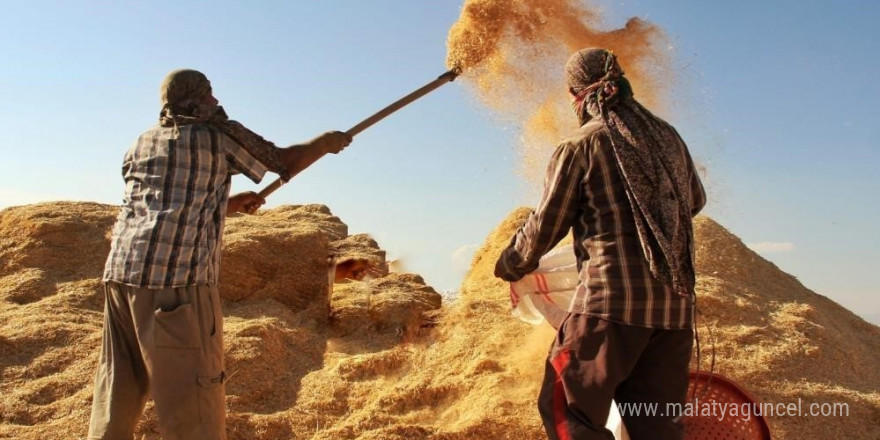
651	160
185	96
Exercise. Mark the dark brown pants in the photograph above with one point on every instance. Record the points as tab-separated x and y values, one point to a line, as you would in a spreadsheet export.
593	360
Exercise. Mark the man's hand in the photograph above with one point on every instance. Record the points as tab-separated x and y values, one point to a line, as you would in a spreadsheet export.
503	267
246	202
332	141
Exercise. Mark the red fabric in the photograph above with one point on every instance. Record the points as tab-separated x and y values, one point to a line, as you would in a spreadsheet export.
560	404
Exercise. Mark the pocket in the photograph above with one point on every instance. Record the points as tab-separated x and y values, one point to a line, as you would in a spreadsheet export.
212	398
178	328
558	345
561	332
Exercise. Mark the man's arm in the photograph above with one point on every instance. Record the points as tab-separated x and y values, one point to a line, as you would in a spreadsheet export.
295	158
551	220
299	157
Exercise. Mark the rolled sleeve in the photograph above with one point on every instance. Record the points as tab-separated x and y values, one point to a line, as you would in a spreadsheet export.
241	161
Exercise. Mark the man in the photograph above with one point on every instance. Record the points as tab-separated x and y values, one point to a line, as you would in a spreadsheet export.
163	328
625	184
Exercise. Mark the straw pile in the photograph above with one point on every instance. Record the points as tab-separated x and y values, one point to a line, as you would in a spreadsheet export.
384	362
50	315
784	342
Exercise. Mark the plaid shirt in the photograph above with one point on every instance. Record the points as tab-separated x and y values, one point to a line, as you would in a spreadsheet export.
584	192
169	230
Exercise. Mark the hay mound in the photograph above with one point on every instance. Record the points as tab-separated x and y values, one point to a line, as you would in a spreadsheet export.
46	246
50	314
275	282
377	359
396	304
280	254
784	342
359	247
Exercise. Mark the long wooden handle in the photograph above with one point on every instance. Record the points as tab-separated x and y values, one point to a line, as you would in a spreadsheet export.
449	76
403	102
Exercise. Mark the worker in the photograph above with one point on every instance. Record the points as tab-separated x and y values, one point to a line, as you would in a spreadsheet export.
163	327
625	184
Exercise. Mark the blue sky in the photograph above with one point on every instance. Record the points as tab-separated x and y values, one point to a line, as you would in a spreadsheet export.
776	98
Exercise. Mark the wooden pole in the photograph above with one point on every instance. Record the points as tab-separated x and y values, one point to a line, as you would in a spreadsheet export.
382	114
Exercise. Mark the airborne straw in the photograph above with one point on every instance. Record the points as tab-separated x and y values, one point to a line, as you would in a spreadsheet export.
514	50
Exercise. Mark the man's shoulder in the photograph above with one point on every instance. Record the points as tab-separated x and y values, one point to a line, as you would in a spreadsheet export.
199	127
153	131
149	137
587	134
181	132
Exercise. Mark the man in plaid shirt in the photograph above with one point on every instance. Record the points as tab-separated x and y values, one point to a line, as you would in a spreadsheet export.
163	328
626	186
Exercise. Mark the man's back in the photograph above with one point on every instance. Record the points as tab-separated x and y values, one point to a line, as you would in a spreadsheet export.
177	184
617	283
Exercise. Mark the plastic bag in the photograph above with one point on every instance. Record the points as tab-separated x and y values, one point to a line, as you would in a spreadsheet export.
545	294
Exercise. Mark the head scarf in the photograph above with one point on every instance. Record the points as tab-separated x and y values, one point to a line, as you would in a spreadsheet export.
186	98
651	158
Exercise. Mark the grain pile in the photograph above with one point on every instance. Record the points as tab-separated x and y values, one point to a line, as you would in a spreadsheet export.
277	304
514	51
50	315
384	362
784	342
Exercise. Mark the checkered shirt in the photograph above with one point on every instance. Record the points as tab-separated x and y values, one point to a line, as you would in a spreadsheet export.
585	193
168	232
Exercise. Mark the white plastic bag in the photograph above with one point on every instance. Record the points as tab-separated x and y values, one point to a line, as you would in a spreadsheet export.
546	293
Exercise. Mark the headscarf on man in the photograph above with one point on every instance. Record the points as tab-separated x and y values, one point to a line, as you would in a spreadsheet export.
651	157
185	94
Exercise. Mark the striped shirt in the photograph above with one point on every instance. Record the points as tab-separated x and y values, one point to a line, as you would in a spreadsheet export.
585	193
169	229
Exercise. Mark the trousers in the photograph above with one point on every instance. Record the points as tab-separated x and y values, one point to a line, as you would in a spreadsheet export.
593	361
164	342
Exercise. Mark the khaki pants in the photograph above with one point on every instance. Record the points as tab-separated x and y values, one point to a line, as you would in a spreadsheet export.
593	360
167	341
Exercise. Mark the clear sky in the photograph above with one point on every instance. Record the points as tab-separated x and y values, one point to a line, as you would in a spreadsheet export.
777	98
